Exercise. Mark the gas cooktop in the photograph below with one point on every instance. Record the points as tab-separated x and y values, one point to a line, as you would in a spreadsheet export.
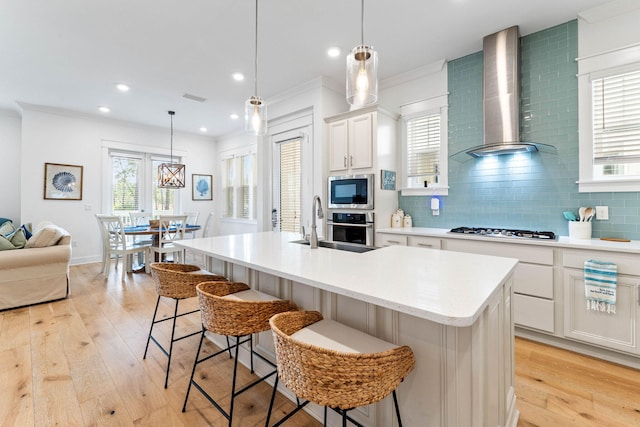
506	233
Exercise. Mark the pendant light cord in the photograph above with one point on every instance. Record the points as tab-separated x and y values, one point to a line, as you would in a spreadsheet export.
362	22
171	113
255	75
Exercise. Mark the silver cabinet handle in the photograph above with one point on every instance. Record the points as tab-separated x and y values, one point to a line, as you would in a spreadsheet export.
425	245
350	160
393	241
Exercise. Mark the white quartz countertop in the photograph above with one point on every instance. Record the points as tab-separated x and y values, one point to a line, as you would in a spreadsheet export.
451	288
561	241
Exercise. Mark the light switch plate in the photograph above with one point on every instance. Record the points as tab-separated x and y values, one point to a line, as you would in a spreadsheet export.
602	213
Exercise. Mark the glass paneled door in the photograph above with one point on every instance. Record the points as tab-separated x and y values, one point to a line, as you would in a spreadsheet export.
287	191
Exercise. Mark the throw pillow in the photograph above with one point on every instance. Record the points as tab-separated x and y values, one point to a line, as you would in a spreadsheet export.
3	220
18	239
5	244
27	230
45	236
7	228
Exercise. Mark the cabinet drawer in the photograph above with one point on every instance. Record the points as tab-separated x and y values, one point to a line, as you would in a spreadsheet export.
525	253
424	242
533	312
535	280
391	239
627	263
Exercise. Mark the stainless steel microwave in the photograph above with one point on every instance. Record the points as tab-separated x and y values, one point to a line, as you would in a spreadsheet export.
351	191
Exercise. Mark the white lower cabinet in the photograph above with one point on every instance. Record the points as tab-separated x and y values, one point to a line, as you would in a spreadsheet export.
617	331
533	299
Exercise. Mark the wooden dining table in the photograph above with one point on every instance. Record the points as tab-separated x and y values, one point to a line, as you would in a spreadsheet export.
146	230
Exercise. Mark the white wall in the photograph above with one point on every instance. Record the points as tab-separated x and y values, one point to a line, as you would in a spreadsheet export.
320	95
11	158
55	136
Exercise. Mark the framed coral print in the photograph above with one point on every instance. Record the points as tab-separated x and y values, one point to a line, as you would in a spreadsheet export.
62	182
201	187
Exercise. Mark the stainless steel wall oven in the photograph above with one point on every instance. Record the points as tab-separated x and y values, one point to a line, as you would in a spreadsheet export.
351	227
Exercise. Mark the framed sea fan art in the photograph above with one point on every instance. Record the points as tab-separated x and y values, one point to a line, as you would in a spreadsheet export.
201	187
62	182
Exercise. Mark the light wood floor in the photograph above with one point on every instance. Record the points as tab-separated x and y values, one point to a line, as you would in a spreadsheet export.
78	362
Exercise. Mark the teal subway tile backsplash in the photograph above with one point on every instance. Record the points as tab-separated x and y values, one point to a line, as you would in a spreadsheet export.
531	190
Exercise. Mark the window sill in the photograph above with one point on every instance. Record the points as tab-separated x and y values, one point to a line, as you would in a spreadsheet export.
425	191
239	220
613	185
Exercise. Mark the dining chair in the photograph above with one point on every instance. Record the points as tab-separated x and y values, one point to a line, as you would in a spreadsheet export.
116	244
140	218
171	229
208	225
192	217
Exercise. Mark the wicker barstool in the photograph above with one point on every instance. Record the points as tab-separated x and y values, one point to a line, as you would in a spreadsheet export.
335	366
175	281
234	310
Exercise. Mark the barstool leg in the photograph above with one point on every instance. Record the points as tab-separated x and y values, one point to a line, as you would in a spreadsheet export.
324	424
173	332
395	402
153	322
251	351
193	371
273	398
344	418
233	383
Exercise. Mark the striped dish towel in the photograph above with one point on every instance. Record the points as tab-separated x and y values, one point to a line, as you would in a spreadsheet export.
600	279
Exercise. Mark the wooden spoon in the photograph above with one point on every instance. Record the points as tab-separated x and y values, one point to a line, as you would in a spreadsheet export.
589	213
581	213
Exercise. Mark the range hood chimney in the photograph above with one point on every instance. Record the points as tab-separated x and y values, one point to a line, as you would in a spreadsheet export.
501	99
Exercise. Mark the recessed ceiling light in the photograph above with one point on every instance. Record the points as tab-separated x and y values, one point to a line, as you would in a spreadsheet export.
122	87
234	116
333	52
238	77
203	129
104	109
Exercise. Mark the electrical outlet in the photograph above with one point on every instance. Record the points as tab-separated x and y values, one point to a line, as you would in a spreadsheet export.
602	213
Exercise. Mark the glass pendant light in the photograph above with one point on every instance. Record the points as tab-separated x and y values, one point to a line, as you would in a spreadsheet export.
171	175
255	109
362	72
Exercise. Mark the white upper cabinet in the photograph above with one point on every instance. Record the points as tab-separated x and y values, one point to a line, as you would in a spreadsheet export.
351	143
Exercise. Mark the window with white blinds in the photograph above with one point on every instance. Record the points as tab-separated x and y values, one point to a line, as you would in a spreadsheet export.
239	187
290	185
423	150
125	184
616	125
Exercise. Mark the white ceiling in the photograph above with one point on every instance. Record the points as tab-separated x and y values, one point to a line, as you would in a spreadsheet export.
70	53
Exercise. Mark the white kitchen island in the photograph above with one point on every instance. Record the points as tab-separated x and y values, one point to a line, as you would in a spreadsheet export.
453	309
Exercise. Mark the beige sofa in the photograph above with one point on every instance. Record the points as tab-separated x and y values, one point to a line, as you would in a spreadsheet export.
36	274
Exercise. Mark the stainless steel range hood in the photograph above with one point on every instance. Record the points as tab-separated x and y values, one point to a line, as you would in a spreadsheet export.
501	99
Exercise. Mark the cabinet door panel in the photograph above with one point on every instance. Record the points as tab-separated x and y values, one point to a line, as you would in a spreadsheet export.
361	142
338	145
617	331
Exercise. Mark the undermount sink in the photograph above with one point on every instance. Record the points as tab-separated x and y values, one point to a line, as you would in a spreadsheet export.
338	245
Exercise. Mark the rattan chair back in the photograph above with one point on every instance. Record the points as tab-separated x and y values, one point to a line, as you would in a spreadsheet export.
179	281
232	317
331	378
